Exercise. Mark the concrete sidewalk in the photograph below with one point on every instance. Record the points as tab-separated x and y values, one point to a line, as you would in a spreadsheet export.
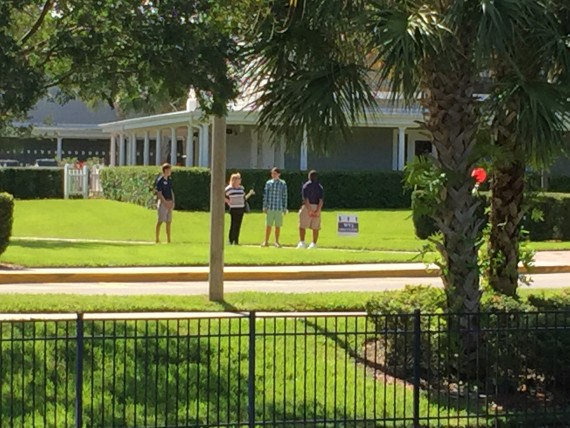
545	262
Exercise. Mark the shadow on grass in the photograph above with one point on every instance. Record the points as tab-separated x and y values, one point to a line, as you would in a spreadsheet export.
64	245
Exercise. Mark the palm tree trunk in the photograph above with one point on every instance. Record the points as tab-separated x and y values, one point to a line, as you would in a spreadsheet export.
506	214
452	120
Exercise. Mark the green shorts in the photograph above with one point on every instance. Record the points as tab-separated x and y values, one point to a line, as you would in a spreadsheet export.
274	218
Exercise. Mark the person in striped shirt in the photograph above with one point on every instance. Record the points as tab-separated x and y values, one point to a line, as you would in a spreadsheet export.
274	205
236	199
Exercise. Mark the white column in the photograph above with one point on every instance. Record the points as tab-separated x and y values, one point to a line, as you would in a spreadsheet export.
204	143
146	149
113	150
60	148
121	149
253	149
173	146
190	146
157	147
401	148
304	153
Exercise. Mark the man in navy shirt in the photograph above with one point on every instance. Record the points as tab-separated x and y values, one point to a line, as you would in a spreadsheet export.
312	195
165	203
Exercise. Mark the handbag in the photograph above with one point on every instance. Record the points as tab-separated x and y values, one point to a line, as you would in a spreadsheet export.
247	208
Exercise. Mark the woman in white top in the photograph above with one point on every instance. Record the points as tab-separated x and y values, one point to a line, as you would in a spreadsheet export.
236	198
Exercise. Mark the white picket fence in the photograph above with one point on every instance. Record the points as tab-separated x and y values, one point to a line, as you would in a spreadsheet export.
82	181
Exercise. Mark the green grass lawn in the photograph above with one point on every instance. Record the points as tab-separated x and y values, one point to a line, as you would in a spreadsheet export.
382	232
110	220
243	301
385	236
194	372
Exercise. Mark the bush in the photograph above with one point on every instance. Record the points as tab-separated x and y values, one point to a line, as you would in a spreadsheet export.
6	220
32	183
129	184
511	354
350	190
559	183
554	224
424	224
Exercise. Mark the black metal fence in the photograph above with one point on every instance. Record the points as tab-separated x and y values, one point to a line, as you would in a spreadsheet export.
285	369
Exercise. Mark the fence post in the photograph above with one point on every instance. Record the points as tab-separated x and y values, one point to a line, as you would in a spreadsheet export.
79	373
251	373
85	177
417	356
66	181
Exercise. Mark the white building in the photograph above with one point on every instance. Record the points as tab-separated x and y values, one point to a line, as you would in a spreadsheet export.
385	140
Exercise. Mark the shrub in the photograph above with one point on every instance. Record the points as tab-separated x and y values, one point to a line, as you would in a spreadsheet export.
6	220
559	183
424	224
129	184
518	345
32	183
351	190
554	223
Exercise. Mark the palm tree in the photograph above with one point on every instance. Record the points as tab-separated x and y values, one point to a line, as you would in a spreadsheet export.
314	60
317	78
528	107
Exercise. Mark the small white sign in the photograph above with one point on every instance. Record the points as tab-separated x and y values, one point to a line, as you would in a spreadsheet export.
347	224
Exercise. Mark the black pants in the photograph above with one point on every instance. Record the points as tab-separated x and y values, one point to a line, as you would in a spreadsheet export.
236	215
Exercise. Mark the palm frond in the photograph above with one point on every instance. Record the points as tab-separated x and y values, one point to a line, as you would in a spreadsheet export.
403	35
539	112
308	65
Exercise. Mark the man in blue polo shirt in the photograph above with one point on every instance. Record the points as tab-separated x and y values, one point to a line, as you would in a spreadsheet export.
165	204
312	195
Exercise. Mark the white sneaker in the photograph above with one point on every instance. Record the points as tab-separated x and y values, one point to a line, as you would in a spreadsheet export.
301	244
312	246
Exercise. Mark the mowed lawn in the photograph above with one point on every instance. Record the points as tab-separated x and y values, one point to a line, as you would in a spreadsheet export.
59	233
385	236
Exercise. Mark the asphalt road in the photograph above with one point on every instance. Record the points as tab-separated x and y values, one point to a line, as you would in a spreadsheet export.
307	286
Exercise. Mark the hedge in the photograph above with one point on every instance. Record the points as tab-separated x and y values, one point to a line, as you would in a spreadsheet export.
508	346
192	187
559	183
554	225
32	183
6	220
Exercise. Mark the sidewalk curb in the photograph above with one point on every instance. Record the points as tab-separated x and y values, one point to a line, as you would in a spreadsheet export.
36	277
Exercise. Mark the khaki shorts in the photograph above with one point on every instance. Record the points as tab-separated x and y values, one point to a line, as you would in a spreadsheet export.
164	214
308	222
274	218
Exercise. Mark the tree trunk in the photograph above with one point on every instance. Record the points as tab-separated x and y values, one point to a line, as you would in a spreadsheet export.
506	214
452	120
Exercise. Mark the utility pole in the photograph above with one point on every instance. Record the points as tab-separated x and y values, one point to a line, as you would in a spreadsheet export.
217	209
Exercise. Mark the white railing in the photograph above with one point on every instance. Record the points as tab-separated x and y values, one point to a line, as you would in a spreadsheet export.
81	181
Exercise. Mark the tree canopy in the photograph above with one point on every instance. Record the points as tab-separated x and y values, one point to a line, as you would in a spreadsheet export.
126	52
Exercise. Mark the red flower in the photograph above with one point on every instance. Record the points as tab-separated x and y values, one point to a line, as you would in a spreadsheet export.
479	174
